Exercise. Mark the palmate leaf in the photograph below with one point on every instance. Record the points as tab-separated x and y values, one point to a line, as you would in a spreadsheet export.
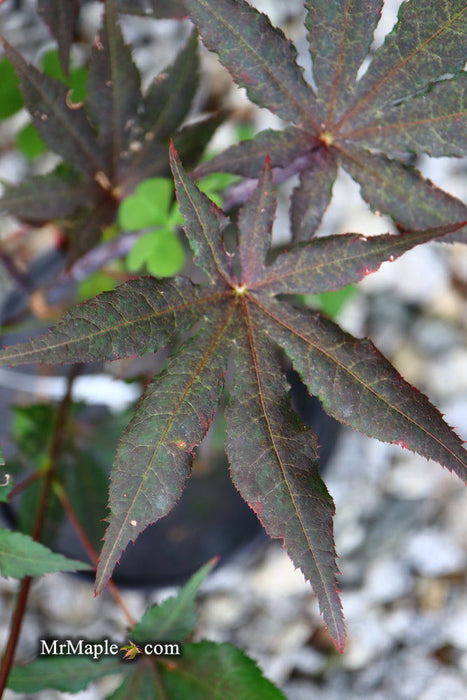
410	100
116	139
273	457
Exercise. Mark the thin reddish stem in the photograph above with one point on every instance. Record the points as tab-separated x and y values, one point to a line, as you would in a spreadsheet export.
23	593
89	549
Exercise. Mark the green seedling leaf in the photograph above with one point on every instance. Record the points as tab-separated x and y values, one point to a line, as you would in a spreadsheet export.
22	556
65	673
11	100
29	142
175	619
330	303
76	80
148	206
160	251
217	671
240	312
410	100
213	185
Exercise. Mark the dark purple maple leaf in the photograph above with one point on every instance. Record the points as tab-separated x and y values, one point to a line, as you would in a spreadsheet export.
239	312
411	100
116	139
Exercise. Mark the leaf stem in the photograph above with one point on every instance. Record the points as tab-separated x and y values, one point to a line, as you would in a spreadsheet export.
90	551
23	593
23	485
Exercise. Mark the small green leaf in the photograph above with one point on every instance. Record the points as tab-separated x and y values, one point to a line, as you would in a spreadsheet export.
29	142
65	673
22	556
330	303
50	64
11	100
218	672
176	618
148	206
160	251
78	83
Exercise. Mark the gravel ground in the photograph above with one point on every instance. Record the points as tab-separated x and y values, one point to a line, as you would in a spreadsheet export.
401	521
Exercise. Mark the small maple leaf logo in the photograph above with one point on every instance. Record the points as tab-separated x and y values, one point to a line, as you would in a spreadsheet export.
131	650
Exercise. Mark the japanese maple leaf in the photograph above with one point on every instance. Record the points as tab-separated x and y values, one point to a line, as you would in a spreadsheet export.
109	144
239	312
411	100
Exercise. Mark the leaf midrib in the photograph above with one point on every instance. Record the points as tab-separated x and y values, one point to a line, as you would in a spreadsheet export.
116	540
251	339
335	82
241	40
392	185
59	115
341	366
378	86
209	238
109	329
394	243
379	128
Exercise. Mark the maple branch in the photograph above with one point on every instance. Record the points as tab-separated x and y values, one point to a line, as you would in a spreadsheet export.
241	192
